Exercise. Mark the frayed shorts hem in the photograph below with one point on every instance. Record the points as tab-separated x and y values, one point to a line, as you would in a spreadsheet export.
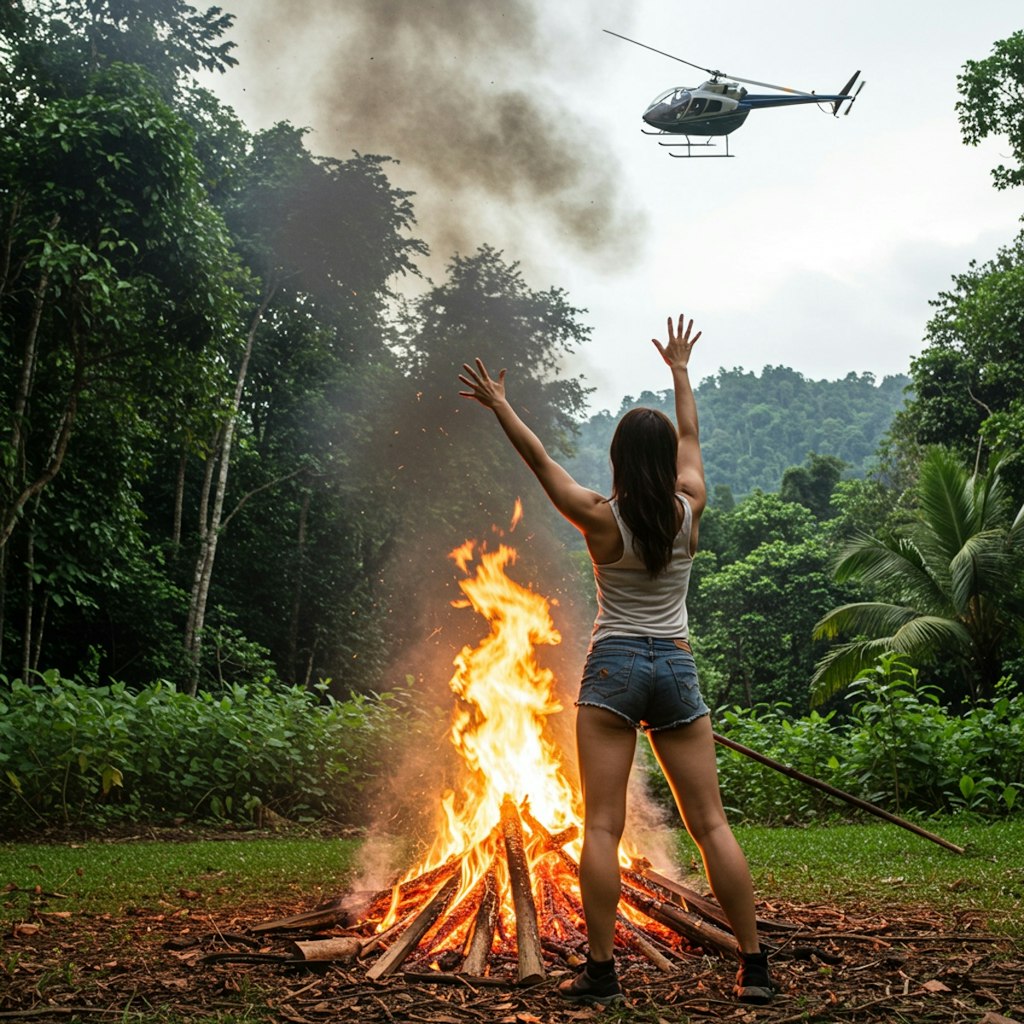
649	681
641	725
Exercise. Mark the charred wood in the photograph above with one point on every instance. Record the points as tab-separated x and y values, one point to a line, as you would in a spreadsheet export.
396	953
531	960
481	938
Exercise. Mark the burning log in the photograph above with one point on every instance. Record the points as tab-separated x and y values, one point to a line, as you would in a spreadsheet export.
691	926
531	961
632	938
549	841
403	892
481	937
335	912
643	876
408	940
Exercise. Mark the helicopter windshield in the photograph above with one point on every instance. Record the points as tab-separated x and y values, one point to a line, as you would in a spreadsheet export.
675	98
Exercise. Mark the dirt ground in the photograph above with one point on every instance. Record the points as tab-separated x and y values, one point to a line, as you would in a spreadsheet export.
911	965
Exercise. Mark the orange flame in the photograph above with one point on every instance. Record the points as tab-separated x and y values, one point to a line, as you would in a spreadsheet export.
504	698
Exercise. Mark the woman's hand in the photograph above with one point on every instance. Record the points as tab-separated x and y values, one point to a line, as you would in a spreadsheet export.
677	352
484	388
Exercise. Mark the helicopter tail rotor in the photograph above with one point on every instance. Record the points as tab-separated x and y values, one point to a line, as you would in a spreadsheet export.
845	96
855	95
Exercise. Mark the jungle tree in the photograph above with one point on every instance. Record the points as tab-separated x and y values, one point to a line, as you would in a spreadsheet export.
951	583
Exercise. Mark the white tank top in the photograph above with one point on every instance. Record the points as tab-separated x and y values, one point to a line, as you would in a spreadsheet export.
632	603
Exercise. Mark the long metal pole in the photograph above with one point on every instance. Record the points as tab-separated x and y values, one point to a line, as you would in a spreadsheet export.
809	780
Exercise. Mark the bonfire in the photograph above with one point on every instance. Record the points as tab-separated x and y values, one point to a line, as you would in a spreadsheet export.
497	894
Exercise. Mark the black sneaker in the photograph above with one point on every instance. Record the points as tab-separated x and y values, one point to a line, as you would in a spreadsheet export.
585	989
753	983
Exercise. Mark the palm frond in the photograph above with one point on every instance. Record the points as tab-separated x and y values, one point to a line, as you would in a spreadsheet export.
945	500
931	633
897	566
991	500
984	564
871	618
1018	524
842	665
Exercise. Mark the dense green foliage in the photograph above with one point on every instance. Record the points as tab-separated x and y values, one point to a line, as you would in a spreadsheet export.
754	428
951	581
898	747
71	753
968	381
761	577
221	430
992	104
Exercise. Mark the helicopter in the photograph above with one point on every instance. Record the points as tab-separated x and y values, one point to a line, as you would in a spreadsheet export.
718	107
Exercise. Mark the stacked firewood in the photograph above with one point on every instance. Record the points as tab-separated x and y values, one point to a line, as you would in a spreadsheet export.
660	919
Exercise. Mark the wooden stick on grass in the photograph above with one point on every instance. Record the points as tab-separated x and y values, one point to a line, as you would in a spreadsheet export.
856	801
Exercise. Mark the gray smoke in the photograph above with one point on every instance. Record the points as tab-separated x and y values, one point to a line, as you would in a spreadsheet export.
460	93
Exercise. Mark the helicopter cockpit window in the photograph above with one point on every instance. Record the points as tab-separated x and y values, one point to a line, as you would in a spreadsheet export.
673	98
696	107
714	106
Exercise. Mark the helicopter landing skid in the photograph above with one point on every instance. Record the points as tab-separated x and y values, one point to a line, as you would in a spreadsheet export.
689	145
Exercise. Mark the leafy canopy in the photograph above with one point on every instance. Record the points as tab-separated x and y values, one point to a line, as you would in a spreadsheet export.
993	104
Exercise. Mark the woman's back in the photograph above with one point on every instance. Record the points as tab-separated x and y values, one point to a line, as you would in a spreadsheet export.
633	602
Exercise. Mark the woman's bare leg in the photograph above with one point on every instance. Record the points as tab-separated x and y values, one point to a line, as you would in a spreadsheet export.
687	757
605	745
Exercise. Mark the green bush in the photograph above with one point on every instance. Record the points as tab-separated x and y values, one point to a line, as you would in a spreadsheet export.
898	747
72	753
756	792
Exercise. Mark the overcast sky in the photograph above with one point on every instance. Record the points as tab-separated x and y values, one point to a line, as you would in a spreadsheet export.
818	246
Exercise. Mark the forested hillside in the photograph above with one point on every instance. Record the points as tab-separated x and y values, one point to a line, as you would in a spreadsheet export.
754	427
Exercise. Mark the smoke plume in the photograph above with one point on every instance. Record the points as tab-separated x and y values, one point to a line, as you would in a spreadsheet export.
484	104
461	93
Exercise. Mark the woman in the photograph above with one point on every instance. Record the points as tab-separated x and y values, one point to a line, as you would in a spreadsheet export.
640	673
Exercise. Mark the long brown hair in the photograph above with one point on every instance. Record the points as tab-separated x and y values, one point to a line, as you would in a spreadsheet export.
643	454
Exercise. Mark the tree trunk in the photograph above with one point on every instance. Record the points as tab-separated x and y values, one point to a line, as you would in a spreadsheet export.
179	501
3	599
210	529
37	643
62	433
300	574
26	630
5	261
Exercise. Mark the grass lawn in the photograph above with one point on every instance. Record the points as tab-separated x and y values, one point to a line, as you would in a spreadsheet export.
111	877
120	900
878	864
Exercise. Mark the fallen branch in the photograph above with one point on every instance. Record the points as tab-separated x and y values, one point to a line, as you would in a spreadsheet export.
856	801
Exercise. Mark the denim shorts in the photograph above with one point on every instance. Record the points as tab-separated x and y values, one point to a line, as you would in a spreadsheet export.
646	680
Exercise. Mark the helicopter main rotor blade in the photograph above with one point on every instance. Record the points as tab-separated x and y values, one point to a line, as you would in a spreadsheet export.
767	85
672	56
710	71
